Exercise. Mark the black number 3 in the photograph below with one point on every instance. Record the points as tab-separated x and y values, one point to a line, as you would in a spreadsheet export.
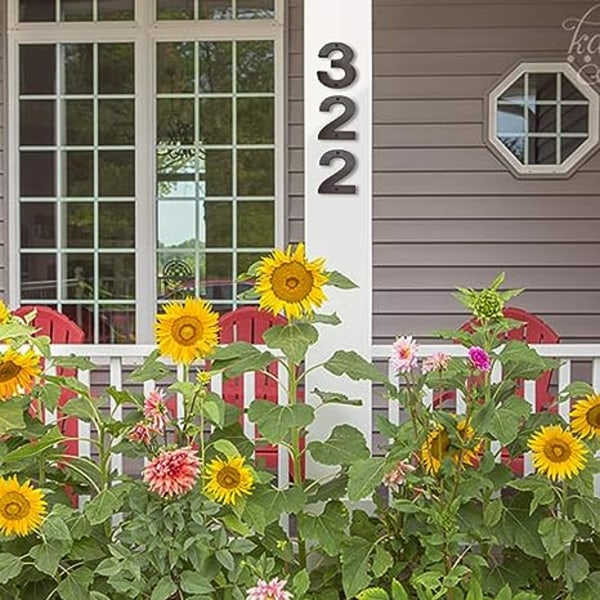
329	186
344	63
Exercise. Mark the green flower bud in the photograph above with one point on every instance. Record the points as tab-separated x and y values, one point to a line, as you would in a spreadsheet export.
488	305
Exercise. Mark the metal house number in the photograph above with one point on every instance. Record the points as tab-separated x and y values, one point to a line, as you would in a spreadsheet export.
331	131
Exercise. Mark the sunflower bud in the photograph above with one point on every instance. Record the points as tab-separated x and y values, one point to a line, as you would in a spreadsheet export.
488	305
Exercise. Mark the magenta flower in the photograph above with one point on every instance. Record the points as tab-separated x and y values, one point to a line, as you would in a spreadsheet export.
273	590
437	362
404	354
156	411
480	359
173	473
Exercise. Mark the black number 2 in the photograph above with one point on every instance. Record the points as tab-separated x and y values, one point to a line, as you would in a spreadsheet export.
330	185
330	131
344	63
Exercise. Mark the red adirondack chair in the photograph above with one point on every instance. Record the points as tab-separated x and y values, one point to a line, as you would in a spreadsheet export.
248	324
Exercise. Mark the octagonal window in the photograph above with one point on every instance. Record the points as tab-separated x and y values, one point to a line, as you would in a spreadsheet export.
543	119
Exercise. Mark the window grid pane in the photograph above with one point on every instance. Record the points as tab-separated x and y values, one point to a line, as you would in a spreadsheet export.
214	9
76	10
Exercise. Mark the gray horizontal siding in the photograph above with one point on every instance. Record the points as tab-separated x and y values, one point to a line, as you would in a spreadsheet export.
3	146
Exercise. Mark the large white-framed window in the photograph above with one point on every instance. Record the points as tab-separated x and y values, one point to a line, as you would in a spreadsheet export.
145	154
543	119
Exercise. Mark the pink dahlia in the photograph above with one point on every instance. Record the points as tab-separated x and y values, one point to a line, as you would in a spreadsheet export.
396	478
173	472
480	359
156	411
269	591
437	362
141	433
404	354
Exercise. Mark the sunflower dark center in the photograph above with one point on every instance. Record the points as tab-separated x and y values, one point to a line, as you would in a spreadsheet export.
593	416
557	451
229	478
8	371
292	282
14	506
187	330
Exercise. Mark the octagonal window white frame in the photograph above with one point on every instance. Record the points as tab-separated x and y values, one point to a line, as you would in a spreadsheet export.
590	144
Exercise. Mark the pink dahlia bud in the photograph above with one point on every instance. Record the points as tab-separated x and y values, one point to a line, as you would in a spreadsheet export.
173	473
156	411
141	433
404	354
437	362
396	478
273	590
480	358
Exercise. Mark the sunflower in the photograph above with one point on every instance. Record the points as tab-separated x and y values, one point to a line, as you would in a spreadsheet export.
585	417
438	446
186	332
228	479
21	507
557	452
4	313
17	372
288	282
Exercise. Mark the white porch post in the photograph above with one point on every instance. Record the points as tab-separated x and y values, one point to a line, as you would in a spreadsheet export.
338	225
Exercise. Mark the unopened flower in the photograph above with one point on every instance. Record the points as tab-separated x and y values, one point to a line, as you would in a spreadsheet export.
488	304
404	354
156	411
141	433
173	473
396	478
273	590
480	359
437	362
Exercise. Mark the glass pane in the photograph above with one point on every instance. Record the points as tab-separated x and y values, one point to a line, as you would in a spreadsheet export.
542	151
79	176
37	66
569	145
569	91
215	9
256	224
115	69
510	119
117	324
215	121
38	225
542	118
175	9
255	120
215	67
218	173
255	66
37	123
175	121
255	173
542	86
78	224
76	10
117	276
176	275
79	127
78	68
175	67
116	122
116	172
516	145
515	93
218	224
218	277
115	10
38	276
176	173
37	172
255	9
116	224
78	276
83	315
176	223
574	119
36	10
244	261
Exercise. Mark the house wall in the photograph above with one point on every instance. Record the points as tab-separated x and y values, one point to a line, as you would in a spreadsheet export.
3	146
447	212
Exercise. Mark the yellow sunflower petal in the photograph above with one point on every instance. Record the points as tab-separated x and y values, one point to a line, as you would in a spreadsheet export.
438	446
585	417
187	332
4	313
18	372
22	507
557	453
228	480
288	282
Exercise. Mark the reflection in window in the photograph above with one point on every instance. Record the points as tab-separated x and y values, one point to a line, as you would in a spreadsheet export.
215	9
76	10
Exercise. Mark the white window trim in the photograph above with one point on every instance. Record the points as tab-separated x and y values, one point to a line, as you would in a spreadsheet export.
145	32
590	144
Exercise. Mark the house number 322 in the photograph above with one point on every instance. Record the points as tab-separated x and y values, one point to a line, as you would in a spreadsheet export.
331	131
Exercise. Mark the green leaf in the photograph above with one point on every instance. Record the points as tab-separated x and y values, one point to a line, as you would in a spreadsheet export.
505	593
475	592
300	583
398	591
214	409
76	585
504	426
94	595
151	368
293	340
81	408
273	502
575	390
328	528
345	446
355	565
373	594
225	447
336	398
521	361
338	280
588	589
353	365
364	477
331	319
193	582
74	362
518	528
492	512
576	570
233	351
102	507
225	558
587	510
54	529
46	558
48	394
10	567
164	589
382	562
275	421
48	440
11	417
556	534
